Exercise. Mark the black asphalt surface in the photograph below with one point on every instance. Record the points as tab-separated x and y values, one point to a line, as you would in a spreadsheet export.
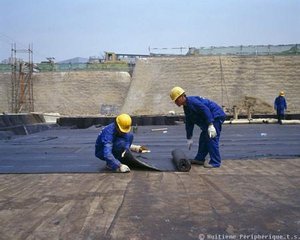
65	150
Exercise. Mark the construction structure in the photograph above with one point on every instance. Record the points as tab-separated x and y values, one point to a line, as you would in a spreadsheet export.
53	186
243	78
21	81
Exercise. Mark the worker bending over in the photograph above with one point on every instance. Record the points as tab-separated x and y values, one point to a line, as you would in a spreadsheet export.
209	117
113	141
280	106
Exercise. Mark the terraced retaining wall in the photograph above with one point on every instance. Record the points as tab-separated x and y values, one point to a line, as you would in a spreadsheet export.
247	82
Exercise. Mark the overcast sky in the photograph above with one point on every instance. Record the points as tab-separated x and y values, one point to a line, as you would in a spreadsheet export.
81	28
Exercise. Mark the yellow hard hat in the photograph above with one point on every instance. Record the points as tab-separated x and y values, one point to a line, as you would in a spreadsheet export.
176	92
124	122
281	93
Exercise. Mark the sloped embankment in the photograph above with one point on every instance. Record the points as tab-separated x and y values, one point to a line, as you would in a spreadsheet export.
80	93
242	81
72	92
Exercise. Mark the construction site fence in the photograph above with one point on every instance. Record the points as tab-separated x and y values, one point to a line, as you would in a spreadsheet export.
290	49
64	67
241	50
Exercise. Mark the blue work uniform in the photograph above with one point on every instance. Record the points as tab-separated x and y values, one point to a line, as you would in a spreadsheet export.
203	112
280	106
110	145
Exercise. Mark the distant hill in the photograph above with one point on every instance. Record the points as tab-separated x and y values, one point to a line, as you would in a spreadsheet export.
75	60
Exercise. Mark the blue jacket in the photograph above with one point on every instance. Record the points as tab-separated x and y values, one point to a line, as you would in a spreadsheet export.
108	141
202	112
280	104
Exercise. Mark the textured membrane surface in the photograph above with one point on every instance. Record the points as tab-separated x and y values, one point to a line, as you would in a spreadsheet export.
72	150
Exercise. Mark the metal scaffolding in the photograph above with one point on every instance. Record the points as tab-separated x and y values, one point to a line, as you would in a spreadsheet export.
21	80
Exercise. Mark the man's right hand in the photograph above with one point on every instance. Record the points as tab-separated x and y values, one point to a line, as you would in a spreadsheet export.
189	143
212	131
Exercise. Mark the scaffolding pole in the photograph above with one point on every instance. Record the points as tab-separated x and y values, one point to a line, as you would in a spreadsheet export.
21	80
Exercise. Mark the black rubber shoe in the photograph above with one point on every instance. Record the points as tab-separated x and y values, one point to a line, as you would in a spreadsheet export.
197	162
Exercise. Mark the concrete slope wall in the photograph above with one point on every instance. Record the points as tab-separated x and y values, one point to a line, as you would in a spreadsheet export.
80	93
229	80
74	93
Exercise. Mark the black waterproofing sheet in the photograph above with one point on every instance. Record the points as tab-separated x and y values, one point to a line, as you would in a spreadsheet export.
67	150
137	161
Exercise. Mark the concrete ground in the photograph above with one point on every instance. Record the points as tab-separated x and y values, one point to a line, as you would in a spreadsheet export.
257	198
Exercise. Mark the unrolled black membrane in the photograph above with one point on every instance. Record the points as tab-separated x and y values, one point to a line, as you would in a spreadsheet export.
135	161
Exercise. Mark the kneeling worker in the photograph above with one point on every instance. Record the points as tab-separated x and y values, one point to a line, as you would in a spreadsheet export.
112	141
209	117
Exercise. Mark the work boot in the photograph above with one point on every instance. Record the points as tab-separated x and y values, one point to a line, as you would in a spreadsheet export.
207	165
197	162
108	167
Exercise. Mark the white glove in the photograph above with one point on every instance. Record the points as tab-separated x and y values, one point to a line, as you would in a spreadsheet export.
123	168
212	131
189	143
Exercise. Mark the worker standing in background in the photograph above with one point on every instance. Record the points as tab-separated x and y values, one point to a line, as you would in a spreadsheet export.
280	106
113	141
209	117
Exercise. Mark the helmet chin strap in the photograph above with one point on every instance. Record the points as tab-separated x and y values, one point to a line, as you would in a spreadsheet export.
118	129
181	101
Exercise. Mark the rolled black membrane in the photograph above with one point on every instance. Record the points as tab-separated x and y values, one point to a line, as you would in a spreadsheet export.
180	160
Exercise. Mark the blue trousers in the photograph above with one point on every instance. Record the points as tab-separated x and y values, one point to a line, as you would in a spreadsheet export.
280	115
119	145
210	146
